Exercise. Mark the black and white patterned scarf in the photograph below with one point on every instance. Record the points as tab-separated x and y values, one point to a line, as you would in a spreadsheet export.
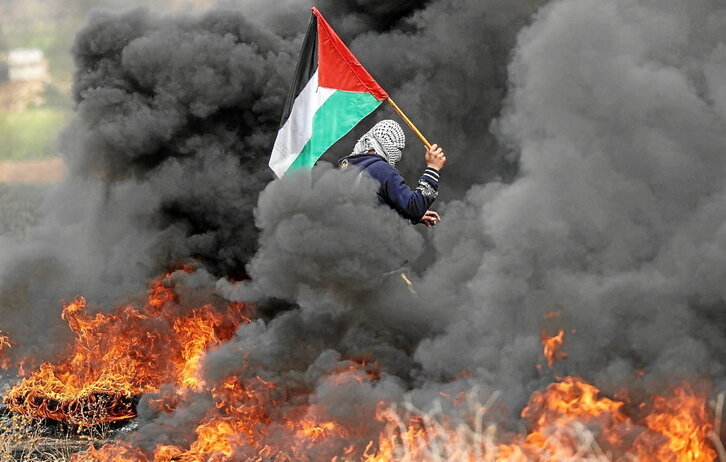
386	138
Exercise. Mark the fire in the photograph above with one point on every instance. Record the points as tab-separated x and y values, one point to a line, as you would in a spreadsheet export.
411	438
569	421
5	343
247	418
678	428
552	345
155	348
570	397
117	357
318	431
558	412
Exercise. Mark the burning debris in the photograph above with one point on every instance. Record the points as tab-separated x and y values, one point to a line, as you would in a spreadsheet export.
155	350
568	421
116	358
598	187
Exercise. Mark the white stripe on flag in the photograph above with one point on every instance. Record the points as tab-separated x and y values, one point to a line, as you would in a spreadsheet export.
298	128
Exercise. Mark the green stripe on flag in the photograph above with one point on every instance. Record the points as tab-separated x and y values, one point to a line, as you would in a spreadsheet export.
336	117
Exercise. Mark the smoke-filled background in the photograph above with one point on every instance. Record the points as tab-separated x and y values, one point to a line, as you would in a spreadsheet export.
585	143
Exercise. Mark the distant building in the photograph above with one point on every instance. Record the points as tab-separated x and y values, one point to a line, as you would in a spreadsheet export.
27	65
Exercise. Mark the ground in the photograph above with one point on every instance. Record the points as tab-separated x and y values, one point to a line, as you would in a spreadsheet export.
32	171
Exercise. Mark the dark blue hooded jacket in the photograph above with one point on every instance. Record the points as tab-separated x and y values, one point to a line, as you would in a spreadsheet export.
409	203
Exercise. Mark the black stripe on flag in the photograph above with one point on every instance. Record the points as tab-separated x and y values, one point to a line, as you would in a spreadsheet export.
305	69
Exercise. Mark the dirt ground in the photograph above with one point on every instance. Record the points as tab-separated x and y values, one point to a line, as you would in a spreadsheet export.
23	186
32	171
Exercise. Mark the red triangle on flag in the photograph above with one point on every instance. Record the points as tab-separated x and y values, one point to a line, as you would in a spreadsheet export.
338	68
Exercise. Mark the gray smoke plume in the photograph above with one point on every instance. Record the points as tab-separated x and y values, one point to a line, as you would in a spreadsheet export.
167	153
585	177
615	220
175	119
334	252
617	216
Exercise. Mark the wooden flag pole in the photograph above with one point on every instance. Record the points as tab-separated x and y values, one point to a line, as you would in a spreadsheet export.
408	121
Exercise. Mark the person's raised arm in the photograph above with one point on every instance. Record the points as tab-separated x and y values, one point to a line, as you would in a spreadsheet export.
414	203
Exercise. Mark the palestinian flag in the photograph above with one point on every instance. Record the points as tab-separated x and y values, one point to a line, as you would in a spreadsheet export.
331	92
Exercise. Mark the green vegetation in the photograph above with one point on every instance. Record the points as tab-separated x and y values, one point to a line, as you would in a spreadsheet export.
50	26
30	134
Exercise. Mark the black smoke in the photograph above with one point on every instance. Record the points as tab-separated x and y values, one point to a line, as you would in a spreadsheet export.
188	105
175	116
585	143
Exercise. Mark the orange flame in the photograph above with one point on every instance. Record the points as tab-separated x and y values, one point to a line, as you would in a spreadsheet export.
5	343
555	412
569	421
254	419
678	428
115	358
244	422
552	345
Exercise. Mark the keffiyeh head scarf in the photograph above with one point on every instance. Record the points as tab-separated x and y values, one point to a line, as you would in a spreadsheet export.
386	138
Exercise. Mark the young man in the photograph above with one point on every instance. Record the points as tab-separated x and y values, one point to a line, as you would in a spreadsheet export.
376	154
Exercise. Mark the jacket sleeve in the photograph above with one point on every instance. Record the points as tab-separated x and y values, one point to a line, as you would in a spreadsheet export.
411	203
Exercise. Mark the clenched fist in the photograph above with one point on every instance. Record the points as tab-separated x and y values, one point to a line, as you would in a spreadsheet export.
435	157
